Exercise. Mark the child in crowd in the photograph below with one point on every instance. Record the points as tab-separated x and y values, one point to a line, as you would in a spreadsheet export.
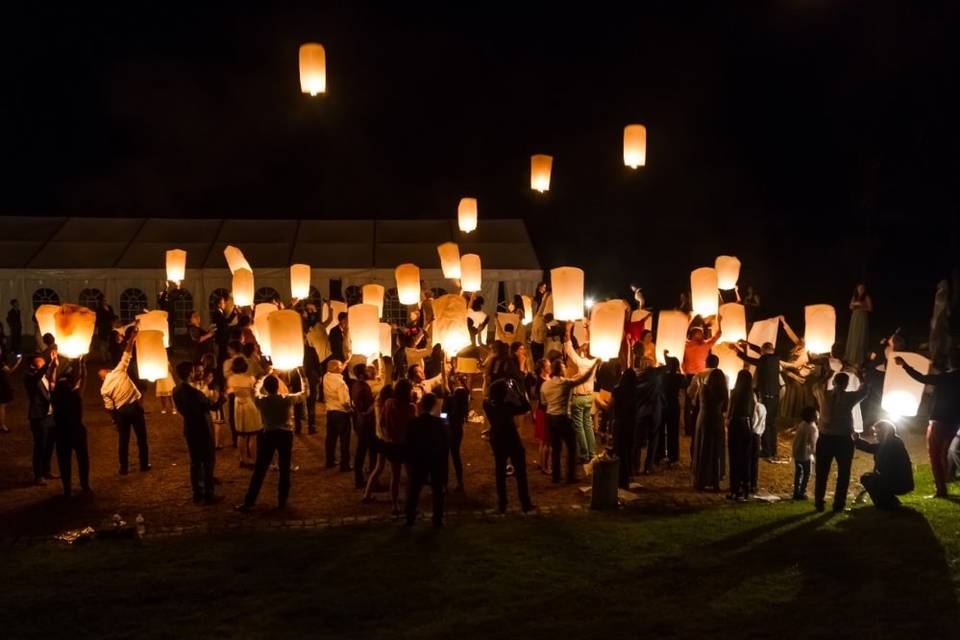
804	446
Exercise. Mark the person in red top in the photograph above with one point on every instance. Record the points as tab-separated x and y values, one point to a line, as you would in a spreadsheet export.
697	349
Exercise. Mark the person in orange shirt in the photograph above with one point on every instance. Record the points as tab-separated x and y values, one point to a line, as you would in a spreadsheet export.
697	349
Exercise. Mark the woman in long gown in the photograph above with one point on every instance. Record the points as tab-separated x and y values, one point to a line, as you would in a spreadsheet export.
246	416
796	369
708	450
740	435
858	337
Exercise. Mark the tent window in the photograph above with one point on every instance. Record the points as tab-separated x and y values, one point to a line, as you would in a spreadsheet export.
132	302
45	296
182	303
353	295
394	312
90	297
266	294
216	296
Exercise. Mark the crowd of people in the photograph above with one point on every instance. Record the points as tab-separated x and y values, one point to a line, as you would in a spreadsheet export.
406	410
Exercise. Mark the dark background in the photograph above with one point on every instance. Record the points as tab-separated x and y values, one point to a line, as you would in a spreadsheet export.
816	140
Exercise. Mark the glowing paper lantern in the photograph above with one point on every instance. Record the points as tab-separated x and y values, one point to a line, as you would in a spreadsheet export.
242	289
235	259
408	283
733	322
540	166
728	272
74	329
467	365
606	329
450	323
261	326
672	334
152	361
450	260
313	68
567	286
155	320
45	318
300	281
820	327
467	214
286	339
703	291
730	363
386	339
505	319
176	265
471	274
580	332
364	323
635	145
901	393
373	294
527	309
336	308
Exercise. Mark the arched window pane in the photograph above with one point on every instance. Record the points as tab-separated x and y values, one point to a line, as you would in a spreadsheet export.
132	303
216	296
353	295
266	294
45	296
181	301
90	297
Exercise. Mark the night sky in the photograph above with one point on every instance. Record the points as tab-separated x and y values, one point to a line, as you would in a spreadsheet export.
815	140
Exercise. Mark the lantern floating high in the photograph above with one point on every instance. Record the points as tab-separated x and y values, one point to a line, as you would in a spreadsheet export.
235	259
74	329
386	339
606	329
176	265
635	145
408	283
728	272
373	294
313	68
733	322
901	393
567	286
730	362
540	167
300	281
156	320
242	289
152	363
286	339
820	328
261	326
450	323
527	309
467	214
471	273
672	334
450	260
704	291
45	319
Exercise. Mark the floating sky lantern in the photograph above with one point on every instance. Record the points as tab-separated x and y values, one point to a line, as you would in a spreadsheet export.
567	286
242	288
606	329
527	309
45	319
728	272
635	145
286	339
471	274
820	327
152	363
364	322
74	329
176	265
373	294
450	323
733	322
261	325
386	339
235	259
450	260
901	393
300	281
467	214
704	292
408	283
672	334
313	68
540	167
155	320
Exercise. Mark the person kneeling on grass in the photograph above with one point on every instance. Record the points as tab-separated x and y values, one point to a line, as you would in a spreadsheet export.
892	473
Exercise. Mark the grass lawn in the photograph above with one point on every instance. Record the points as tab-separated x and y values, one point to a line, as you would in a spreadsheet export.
739	571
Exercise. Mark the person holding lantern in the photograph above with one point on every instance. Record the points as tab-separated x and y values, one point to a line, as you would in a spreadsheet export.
195	407
336	396
836	440
71	435
697	349
892	473
121	399
555	396
767	380
582	401
222	319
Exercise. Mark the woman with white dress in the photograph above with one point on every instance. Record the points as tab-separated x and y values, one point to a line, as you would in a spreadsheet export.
246	417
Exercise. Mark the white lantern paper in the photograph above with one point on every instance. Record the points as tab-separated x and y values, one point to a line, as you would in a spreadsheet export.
386	339
504	318
235	259
176	265
820	328
45	319
730	362
286	339
373	294
74	330
580	332
527	309
901	393
152	363
467	214
300	281
606	329
336	308
728	272
450	323
450	260
408	283
635	145
540	167
672	334
364	322
733	322
313	68
763	331
242	289
156	320
471	273
704	293
261	326
567	286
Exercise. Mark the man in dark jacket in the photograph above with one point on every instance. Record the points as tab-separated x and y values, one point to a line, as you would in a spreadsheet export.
892	473
427	449
768	386
39	384
195	407
506	441
16	326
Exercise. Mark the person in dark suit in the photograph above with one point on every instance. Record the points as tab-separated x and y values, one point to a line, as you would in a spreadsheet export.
16	326
38	382
71	434
892	473
222	320
195	407
338	339
427	448
506	402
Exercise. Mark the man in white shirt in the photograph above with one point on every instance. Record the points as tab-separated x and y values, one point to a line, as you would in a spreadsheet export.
336	397
121	399
581	405
421	385
555	396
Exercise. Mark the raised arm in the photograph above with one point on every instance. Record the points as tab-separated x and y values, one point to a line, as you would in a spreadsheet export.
583	377
929	378
790	332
